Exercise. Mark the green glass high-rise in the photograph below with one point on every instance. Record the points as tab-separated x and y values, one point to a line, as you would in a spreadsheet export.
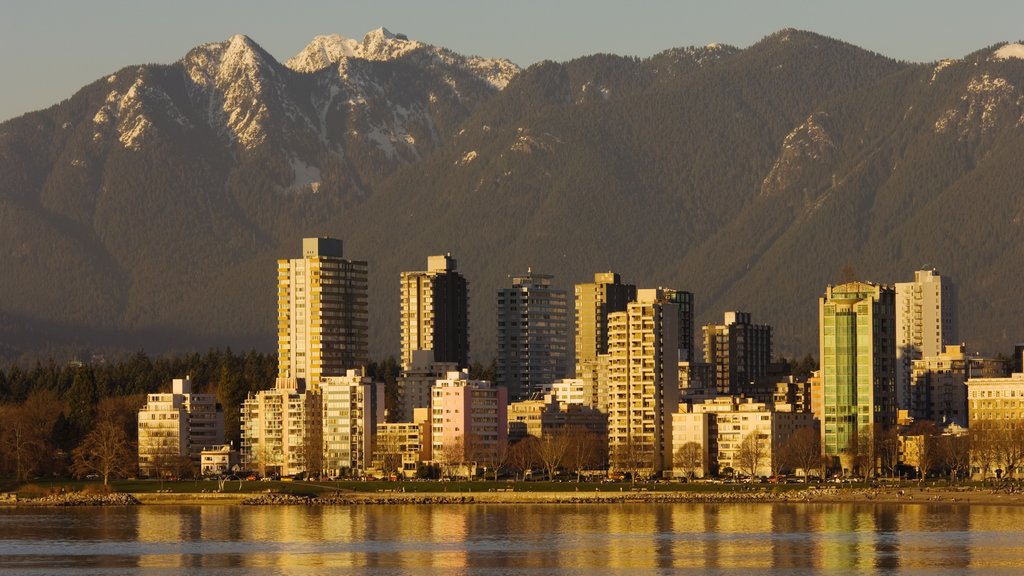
857	327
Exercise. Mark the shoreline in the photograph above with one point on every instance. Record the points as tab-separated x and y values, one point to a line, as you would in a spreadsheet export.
823	495
809	496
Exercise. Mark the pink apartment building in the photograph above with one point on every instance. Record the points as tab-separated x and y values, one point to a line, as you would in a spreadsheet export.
469	419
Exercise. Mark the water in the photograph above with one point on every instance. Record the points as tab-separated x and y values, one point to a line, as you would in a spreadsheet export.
514	539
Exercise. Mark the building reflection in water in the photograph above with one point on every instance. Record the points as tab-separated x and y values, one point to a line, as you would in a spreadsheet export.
459	539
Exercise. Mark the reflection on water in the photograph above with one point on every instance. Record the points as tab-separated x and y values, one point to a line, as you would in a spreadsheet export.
464	539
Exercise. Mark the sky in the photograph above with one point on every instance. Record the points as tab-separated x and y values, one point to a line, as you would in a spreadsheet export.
52	48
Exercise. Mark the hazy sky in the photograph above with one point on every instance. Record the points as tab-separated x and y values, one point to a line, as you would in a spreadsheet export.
52	48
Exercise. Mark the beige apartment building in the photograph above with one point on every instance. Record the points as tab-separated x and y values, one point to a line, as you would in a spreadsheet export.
643	382
402	446
435	313
996	408
926	320
322	327
282	430
353	405
539	417
175	426
721	425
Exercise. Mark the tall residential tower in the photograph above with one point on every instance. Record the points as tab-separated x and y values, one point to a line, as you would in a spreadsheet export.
435	313
533	335
321	312
858	365
926	321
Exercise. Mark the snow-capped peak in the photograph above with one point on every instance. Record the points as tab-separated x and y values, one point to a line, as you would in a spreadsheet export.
1009	51
323	51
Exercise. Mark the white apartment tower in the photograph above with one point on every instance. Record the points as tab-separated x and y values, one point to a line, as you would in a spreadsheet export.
177	425
643	381
926	321
322	312
353	405
281	429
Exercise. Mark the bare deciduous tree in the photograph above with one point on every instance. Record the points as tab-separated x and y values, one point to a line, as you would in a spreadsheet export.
955	454
689	458
802	451
751	453
106	451
634	457
584	450
551	451
523	455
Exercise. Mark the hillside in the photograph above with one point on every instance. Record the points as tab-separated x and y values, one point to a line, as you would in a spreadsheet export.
148	209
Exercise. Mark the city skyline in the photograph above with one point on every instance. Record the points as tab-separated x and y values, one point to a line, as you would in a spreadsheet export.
86	42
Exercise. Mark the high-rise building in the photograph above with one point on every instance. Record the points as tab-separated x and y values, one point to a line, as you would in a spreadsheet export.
858	365
175	427
926	321
353	405
282	429
684	302
435	316
594	302
533	338
643	382
322	325
739	350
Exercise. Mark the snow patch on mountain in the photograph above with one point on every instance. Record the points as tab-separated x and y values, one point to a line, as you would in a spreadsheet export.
130	113
807	145
1009	51
323	51
305	175
942	65
236	84
466	158
987	104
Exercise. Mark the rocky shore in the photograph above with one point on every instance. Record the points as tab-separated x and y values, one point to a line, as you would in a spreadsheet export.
80	499
809	495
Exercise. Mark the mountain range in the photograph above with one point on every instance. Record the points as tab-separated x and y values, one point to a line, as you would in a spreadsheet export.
148	209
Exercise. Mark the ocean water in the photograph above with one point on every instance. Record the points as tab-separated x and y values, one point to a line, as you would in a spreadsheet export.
515	539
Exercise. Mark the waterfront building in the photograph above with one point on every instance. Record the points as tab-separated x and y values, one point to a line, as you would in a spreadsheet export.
353	405
321	311
739	350
548	415
219	460
643	382
175	428
282	429
532	335
926	320
398	448
996	416
938	387
722	425
858	365
416	381
469	420
435	313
